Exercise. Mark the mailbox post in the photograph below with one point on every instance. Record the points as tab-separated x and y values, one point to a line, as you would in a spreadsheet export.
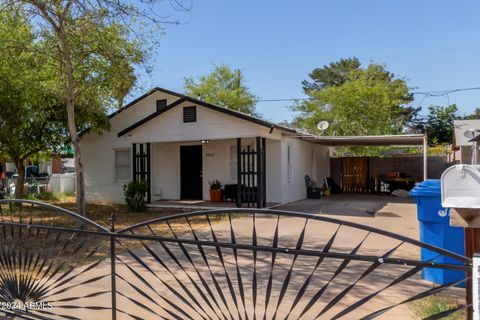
460	187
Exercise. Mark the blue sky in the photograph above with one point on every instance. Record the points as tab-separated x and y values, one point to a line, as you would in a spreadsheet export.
435	45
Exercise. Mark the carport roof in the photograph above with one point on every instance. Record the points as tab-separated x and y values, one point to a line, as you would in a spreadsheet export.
380	140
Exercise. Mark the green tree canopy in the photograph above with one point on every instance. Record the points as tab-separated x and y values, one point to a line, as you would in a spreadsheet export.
92	51
438	124
224	87
29	121
367	101
334	74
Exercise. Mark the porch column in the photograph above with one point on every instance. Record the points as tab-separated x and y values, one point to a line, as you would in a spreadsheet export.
239	173
259	171
264	171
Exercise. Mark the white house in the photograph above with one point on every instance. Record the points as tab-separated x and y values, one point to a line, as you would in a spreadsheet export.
178	144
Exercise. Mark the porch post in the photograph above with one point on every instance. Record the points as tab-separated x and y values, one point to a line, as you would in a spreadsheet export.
264	171
259	170
148	173
239	173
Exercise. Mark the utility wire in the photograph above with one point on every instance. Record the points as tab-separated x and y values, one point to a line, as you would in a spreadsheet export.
437	93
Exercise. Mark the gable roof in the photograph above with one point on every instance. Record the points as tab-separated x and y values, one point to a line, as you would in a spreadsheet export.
149	93
184	98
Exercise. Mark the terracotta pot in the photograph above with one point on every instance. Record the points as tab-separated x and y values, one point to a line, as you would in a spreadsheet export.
216	195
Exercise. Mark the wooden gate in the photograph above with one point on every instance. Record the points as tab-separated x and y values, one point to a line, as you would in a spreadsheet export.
355	174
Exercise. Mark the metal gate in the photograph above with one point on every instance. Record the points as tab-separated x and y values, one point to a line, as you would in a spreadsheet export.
142	165
251	176
223	264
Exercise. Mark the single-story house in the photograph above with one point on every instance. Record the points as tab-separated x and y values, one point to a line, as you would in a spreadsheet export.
178	144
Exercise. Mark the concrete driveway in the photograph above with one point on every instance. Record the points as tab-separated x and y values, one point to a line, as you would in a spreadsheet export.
398	215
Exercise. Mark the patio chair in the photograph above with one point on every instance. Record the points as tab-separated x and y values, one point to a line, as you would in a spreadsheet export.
313	191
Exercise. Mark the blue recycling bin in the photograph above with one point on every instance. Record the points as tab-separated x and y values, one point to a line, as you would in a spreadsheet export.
435	229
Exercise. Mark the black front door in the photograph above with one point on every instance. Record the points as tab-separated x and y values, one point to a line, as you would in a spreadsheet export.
191	172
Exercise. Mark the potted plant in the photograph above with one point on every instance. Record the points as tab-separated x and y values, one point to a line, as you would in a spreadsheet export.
215	191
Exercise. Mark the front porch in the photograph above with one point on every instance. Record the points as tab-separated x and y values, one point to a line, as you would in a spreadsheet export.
179	172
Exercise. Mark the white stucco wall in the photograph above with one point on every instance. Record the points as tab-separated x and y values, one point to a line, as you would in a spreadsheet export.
98	151
167	132
306	158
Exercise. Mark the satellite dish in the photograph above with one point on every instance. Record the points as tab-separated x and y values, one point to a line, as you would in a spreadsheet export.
469	134
322	125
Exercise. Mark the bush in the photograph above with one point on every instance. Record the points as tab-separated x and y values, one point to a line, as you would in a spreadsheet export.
215	185
135	195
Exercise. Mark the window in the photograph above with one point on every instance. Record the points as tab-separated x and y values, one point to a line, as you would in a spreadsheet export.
289	165
122	165
161	105
190	114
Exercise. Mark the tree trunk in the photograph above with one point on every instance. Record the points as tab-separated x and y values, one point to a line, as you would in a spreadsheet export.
20	179
72	127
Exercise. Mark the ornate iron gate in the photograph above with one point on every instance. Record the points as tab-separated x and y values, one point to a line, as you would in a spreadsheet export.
223	264
251	175
141	165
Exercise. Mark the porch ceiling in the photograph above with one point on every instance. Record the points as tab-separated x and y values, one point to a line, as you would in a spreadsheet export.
380	140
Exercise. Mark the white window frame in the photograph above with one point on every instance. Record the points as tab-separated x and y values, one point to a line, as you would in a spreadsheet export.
115	177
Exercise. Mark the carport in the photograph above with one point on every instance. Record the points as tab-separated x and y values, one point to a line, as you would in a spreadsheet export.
404	140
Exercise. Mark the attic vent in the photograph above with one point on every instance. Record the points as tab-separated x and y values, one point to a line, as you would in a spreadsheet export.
190	114
161	105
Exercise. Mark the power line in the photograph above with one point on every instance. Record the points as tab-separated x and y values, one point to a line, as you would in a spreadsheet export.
433	93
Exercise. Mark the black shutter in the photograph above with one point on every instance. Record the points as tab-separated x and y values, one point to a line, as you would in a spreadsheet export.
190	114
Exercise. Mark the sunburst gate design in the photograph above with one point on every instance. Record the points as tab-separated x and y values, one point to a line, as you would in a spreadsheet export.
219	264
46	254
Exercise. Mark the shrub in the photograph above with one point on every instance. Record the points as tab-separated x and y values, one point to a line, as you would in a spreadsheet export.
215	185
135	195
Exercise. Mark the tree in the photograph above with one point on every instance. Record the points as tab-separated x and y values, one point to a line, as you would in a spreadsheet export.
29	123
475	115
362	101
92	56
438	124
224	87
334	74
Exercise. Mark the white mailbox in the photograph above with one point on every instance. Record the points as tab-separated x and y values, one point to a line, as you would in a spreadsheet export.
461	194
461	187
